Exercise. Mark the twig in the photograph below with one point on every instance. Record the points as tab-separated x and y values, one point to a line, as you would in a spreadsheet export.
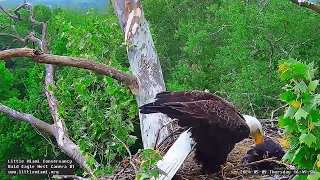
170	135
158	134
221	29
274	111
250	103
224	170
128	150
3	27
125	167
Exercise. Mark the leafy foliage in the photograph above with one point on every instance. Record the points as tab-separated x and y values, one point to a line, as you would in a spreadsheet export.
21	89
96	108
302	117
231	47
148	167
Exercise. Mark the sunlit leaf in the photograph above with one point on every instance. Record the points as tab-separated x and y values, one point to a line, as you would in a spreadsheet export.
301	113
313	85
288	96
290	112
308	139
315	176
301	87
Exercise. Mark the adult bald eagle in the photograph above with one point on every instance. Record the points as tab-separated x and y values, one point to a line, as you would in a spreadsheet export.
216	124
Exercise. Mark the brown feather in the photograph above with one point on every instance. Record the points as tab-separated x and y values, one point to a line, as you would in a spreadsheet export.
216	124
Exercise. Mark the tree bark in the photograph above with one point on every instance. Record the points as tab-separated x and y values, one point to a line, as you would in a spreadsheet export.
123	77
308	5
144	65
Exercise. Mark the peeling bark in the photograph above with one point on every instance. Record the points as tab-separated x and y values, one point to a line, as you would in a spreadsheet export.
308	5
144	65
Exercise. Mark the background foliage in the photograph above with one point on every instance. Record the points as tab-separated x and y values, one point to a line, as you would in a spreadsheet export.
232	48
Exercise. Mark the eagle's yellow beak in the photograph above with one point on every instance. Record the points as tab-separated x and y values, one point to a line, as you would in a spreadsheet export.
257	137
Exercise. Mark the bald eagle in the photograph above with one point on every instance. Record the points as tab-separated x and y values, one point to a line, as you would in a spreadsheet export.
216	125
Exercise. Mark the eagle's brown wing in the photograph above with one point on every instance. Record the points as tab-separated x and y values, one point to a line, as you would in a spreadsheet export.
214	111
200	105
182	96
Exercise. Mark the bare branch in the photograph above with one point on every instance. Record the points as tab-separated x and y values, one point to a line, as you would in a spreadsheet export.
16	12
3	27
31	17
274	111
28	118
60	133
308	5
13	36
129	152
97	67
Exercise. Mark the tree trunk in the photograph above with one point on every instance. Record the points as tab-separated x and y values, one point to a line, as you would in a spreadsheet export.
144	65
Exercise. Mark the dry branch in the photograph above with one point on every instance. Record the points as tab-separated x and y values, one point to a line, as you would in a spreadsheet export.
308	5
97	67
225	170
28	118
60	131
3	27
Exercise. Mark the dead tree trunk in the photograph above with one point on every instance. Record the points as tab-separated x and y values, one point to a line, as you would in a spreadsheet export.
144	65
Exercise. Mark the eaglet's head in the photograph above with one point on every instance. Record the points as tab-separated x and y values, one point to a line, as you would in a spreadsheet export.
255	128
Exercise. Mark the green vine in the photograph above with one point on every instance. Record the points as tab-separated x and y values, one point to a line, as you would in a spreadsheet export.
302	117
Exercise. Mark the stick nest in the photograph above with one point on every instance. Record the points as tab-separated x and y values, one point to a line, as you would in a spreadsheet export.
190	169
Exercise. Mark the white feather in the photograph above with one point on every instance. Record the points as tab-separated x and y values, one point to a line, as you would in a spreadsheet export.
176	155
253	123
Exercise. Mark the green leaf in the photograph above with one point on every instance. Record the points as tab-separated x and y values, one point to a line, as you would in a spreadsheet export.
315	115
299	68
300	152
288	96
313	85
314	176
301	113
108	80
289	156
290	112
146	153
308	139
300	87
285	121
300	177
306	97
285	75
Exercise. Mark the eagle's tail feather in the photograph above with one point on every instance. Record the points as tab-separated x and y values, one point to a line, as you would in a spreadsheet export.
150	108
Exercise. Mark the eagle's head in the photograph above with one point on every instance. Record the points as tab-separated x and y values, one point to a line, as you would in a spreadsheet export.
255	128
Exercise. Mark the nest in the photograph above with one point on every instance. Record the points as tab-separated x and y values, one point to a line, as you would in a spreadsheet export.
190	169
